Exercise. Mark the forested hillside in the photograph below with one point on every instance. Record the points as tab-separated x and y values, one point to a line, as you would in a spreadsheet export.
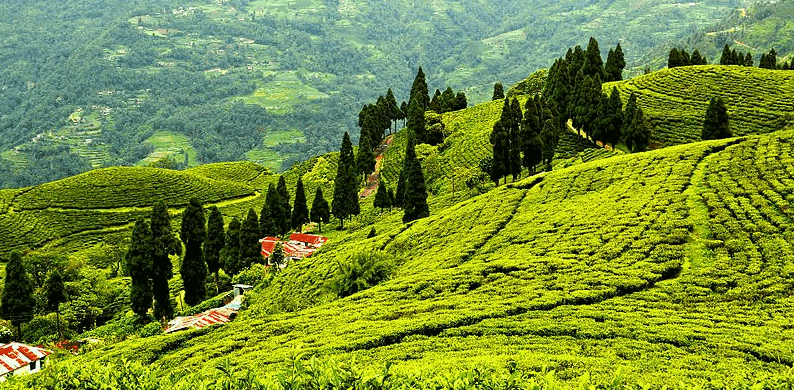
181	83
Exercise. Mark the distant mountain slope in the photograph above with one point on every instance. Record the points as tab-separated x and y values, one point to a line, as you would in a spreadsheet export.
129	82
675	100
666	264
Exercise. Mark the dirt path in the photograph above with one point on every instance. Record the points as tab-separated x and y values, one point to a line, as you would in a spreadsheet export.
374	179
569	126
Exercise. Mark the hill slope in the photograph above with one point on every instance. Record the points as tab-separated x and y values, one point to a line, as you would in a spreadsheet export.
663	259
675	100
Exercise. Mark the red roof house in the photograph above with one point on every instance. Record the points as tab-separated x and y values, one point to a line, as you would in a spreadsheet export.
297	247
19	358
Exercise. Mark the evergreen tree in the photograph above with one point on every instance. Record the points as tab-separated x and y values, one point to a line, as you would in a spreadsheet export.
726	58
139	263
320	211
271	213
345	201
614	115
300	211
250	247
768	60
214	243
230	254
193	269
382	196
500	142
639	132
588	99
404	112
394	110
419	92
415	191
435	103
399	194
447	100
697	58
416	119
283	220
674	59
685	60
748	60
549	138
498	92
365	158
56	294
165	244
391	198
532	147
460	101
17	302
615	64
515	139
277	258
628	114
716	124
594	65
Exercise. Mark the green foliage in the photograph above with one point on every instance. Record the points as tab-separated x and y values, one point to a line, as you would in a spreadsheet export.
498	92
320	212
215	241
17	301
253	275
250	248
345	202
164	245
716	124
360	272
193	268
300	211
230	254
382	199
639	132
139	265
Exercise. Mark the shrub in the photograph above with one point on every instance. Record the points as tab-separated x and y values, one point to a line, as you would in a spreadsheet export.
361	272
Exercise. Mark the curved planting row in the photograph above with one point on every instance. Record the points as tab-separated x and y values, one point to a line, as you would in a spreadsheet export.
245	172
675	100
127	187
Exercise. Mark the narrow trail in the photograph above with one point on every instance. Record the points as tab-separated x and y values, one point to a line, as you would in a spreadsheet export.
374	179
571	129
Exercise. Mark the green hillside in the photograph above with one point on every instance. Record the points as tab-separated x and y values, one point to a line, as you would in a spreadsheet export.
675	100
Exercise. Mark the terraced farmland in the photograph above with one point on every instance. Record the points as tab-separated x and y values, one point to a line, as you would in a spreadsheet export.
759	100
614	263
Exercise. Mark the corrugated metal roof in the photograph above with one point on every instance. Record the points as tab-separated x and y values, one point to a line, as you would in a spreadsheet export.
15	355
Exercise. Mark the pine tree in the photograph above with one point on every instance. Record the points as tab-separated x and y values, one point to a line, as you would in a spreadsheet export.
435	103
639	132
404	112
276	259
615	65
614	115
726	58
531	127
230	254
382	200
460	101
250	248
748	60
697	58
628	114
17	302
419	92
320	211
139	263
674	59
416	119
498	92
515	139
447	100
716	124
345	201
270	213
593	65
214	243
285	209
399	194
193	269
165	244
394	110
415	191
365	158
300	211
549	138
500	142
56	294
685	60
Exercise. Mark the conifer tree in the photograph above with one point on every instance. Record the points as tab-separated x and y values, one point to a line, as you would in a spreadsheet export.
685	60
726	58
674	59
498	92
549	138
515	139
214	243
615	64
419	93
628	114
531	127
500	141
165	244
320	212
283	220
404	112
748	60
697	58
391	198
250	248
17	302
593	65
447	100
193	269
639	132
365	158
415	191
300	211
399	194
56	294
460	101
139	262
382	200
716	124
271	212
416	119
277	258
435	103
230	254
614	115
394	109
345	202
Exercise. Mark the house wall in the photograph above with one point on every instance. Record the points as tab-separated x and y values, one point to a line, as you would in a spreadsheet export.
25	370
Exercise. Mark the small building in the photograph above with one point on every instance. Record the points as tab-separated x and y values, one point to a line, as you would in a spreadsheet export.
297	247
19	359
240	289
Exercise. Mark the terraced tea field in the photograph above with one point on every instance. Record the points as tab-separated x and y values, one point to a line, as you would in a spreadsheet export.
674	100
670	266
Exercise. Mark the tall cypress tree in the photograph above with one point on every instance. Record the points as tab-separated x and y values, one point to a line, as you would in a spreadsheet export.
419	92
500	142
214	243
230	254
639	132
283	221
56	294
194	270
416	119
250	248
165	244
727	57
614	115
615	65
498	91
365	158
515	139
697	58
382	196
321	213
300	211
593	65
415	191
628	114
17	302
139	262
394	109
460	101
271	213
531	126
716	124
345	202
674	59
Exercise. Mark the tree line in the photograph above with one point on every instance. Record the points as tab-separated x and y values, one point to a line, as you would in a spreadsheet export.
680	57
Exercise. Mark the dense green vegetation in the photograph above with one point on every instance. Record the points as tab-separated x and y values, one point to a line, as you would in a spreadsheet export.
180	83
